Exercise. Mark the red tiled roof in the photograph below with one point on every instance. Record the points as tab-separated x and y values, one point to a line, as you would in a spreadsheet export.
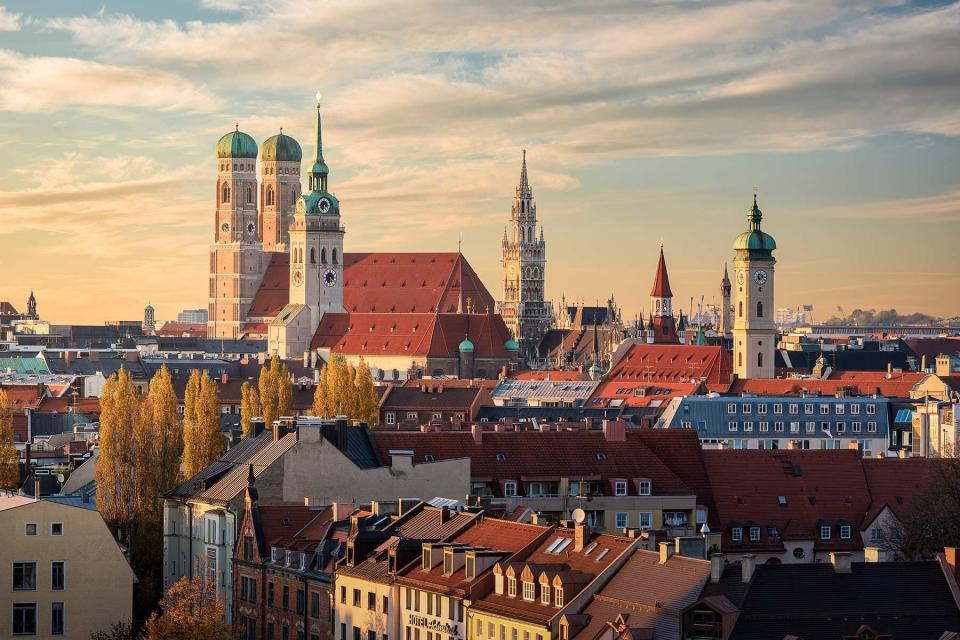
897	484
183	329
825	485
932	347
411	334
639	394
680	450
435	396
673	363
661	283
897	387
542	454
7	309
386	282
450	383
70	405
557	375
24	396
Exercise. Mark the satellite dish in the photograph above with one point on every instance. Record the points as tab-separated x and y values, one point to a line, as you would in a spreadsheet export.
579	515
60	478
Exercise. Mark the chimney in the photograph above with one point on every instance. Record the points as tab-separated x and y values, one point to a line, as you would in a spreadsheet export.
952	557
666	550
942	365
94	356
889	370
871	554
224	378
256	426
614	430
580	536
306	359
36	487
444	514
716	567
923	363
68	357
278	430
129	356
747	565
840	561
316	376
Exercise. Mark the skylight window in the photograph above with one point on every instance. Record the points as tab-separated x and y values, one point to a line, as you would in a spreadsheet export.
501	457
602	554
601	456
782	500
590	549
553	545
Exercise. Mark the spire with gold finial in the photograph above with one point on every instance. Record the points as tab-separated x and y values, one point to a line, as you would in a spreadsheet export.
319	171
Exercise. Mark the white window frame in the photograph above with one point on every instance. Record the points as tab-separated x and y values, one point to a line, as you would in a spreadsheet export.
856	427
645	515
620	488
762	409
745	409
764	426
778	427
617	523
731	408
855	409
840	409
871	427
794	409
826	529
811	426
736	534
777	408
754	534
824	409
732	425
846	532
510	488
747	426
390	417
871	409
645	487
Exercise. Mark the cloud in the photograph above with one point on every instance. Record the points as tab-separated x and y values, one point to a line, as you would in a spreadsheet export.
9	21
39	84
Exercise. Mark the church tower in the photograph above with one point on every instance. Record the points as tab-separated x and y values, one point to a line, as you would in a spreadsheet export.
754	330
523	307
663	327
235	256
724	331
279	189
32	307
316	263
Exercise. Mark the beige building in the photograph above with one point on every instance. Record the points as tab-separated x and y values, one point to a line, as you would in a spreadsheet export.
63	574
754	329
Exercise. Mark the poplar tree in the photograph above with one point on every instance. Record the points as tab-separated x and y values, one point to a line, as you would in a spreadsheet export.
9	457
190	396
322	399
116	464
341	386
249	405
368	401
284	390
158	443
206	442
268	390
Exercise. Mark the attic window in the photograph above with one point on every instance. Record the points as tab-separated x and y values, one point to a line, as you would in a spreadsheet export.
782	500
285	522
602	554
899	499
812	499
501	457
428	457
601	456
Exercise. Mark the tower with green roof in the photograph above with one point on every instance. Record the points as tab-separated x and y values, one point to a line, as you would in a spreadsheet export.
280	157
754	329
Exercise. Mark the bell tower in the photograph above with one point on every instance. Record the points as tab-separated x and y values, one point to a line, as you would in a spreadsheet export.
754	329
235	256
663	326
280	158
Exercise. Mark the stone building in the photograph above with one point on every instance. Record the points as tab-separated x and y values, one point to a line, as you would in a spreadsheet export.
754	329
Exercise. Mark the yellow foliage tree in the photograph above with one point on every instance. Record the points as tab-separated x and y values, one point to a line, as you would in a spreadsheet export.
322	400
367	400
116	464
9	457
249	406
268	390
190	396
191	611
341	386
158	443
284	390
203	442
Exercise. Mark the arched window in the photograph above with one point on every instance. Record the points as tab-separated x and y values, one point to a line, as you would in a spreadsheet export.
313	256
323	255
225	196
759	309
760	358
740	309
333	255
269	196
249	195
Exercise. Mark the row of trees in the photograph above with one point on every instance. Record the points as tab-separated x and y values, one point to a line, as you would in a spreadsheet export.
346	390
9	457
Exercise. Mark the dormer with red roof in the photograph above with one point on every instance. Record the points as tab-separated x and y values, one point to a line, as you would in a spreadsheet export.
662	323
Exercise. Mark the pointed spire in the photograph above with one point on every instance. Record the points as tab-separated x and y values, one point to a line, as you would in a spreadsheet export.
701	340
319	171
523	189
754	216
661	283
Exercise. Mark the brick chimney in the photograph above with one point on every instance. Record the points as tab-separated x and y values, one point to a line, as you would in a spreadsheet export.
717	561
747	564
666	550
614	430
840	561
224	378
951	556
580	536
942	365
477	431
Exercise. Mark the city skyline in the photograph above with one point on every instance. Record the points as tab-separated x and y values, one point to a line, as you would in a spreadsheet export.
111	120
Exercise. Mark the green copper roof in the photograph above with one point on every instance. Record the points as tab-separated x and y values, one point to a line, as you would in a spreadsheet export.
754	239
311	202
511	345
236	144
281	147
466	346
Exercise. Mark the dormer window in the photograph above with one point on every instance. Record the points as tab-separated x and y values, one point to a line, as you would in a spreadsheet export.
736	534
448	562
274	554
498	581
754	534
545	594
644	487
825	532
512	586
620	488
529	591
470	568
426	559
845	532
558	596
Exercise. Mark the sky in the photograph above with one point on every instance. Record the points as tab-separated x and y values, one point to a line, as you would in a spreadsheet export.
644	122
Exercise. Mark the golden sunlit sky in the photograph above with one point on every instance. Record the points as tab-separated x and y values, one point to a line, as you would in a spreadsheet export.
643	121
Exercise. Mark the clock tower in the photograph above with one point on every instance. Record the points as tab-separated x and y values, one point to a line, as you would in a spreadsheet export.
754	330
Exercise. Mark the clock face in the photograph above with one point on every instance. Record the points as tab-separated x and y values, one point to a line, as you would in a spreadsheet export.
330	277
740	277
298	277
324	205
760	276
225	227
251	228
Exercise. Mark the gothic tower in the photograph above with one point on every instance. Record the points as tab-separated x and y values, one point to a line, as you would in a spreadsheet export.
279	189
725	287
235	256
754	331
663	327
523	307
316	244
32	307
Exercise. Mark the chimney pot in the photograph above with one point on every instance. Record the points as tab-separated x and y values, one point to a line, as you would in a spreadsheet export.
747	565
840	561
717	562
666	550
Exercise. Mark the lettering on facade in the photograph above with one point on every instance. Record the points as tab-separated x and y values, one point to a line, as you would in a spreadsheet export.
433	625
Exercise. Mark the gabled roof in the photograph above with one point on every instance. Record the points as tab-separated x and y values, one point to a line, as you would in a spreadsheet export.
673	363
620	393
431	396
852	383
897	484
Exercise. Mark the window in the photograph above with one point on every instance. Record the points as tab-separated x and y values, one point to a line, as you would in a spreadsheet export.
646	519
225	195
247	548
386	605
529	591
343	596
411	415
745	408
620	488
286	597
31	529
644	487
794	409
855	409
511	586
25	619
759	356
24	576
839	409
876	535
754	534
301	601
620	520
701	515
845	532
56	619
762	408
748	426
778	408
794	427
558	596
736	534
841	427
811	426
57	577
731	408
248	589
872	427
371	601
270	594
824	409
759	309
356	597
808	408
778	427
871	409
825	532
740	309
56	528
390	417
855	427
732	425
544	594
510	488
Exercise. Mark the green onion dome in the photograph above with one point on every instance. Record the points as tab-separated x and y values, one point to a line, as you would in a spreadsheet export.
511	345
466	346
236	144
282	148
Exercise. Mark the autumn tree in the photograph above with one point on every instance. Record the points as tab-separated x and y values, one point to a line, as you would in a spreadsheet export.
9	457
191	611
268	390
202	441
158	443
284	391
322	398
367	401
341	386
116	464
249	406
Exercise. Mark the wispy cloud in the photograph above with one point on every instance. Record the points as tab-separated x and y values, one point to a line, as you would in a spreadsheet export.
9	21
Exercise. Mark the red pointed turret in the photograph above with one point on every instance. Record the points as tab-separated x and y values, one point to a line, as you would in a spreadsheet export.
661	283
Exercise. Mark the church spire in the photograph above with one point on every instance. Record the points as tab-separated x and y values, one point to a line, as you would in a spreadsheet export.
524	189
661	283
319	171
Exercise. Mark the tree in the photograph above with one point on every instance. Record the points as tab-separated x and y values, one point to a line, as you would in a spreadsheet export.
322	400
367	402
121	630
249	405
116	464
9	457
158	443
341	386
268	390
284	390
203	442
191	611
190	396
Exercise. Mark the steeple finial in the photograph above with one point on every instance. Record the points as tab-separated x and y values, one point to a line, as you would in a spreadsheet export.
319	171
754	216
524	189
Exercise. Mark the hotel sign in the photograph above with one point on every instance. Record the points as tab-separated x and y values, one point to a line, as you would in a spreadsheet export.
445	628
